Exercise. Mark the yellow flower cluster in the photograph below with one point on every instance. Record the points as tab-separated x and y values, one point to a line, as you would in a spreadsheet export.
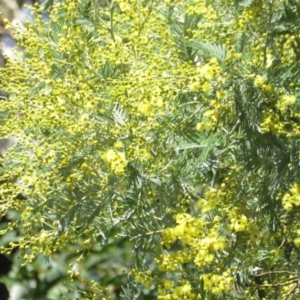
116	161
218	283
183	290
237	222
142	277
285	101
292	197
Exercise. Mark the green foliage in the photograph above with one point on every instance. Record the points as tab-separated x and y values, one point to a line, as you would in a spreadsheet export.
172	124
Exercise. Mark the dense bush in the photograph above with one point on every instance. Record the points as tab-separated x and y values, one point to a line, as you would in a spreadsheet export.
173	124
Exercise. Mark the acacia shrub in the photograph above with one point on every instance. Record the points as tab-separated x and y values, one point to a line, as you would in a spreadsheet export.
175	123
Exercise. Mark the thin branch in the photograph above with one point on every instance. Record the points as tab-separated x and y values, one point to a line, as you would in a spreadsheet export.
141	27
110	28
276	272
111	10
234	127
281	283
146	234
268	30
254	34
188	103
292	290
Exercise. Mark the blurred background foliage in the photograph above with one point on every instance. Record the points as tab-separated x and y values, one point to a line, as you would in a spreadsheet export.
99	271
